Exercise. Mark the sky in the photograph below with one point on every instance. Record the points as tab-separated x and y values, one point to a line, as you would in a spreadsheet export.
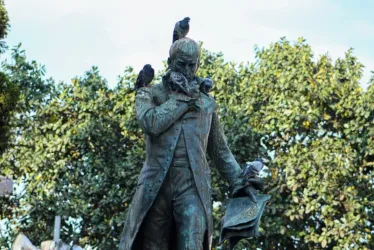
70	36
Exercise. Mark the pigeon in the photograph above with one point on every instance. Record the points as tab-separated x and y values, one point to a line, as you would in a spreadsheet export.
178	82
207	85
253	168
145	77
181	29
251	179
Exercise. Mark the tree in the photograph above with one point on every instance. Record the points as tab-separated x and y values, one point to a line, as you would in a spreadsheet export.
8	91
27	91
81	149
9	94
318	124
4	25
76	158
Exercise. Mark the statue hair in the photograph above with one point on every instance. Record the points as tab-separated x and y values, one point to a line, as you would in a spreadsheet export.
184	46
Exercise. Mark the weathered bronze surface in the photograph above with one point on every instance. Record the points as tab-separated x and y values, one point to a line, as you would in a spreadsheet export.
172	206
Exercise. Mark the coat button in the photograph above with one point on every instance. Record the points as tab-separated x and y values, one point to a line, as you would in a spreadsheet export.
171	148
175	138
184	121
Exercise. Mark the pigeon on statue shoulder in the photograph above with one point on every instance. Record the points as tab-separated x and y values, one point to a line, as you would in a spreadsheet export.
145	77
206	85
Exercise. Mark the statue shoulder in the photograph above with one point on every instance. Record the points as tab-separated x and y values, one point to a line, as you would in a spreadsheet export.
158	89
157	93
155	89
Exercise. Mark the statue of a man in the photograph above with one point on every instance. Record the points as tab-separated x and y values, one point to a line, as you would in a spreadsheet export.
172	206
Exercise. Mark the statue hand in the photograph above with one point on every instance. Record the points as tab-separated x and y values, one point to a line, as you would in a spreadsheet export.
192	105
246	186
176	88
179	83
251	192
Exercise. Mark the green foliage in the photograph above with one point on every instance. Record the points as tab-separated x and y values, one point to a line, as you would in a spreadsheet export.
79	149
9	94
25	91
318	124
80	162
8	91
22	89
4	20
4	25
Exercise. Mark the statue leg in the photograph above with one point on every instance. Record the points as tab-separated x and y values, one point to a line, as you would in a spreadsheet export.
188	211
157	224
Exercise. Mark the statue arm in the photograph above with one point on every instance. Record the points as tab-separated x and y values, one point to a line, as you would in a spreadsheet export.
220	153
155	119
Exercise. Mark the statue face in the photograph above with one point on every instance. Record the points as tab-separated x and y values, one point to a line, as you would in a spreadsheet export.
186	64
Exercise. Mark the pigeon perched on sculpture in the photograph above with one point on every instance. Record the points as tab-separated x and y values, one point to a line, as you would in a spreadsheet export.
207	85
248	181
181	29
145	77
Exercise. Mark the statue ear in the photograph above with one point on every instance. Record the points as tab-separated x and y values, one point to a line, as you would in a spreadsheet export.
198	64
169	61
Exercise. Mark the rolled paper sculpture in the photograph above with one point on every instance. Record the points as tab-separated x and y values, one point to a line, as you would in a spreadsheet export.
242	218
245	208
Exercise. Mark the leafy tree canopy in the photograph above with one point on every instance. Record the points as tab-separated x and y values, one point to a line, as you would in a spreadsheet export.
79	149
8	91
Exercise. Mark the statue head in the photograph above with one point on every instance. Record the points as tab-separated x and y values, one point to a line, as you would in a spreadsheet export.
184	57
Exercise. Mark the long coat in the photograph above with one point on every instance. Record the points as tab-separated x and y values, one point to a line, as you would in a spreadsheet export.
162	114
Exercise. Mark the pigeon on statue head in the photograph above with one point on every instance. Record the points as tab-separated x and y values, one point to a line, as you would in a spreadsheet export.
181	29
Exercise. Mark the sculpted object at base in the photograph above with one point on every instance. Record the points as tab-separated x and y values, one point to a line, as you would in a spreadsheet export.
172	206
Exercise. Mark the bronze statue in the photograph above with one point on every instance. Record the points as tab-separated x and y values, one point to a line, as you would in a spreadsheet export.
172	205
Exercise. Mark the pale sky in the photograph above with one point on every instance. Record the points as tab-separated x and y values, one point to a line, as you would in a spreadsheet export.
70	36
